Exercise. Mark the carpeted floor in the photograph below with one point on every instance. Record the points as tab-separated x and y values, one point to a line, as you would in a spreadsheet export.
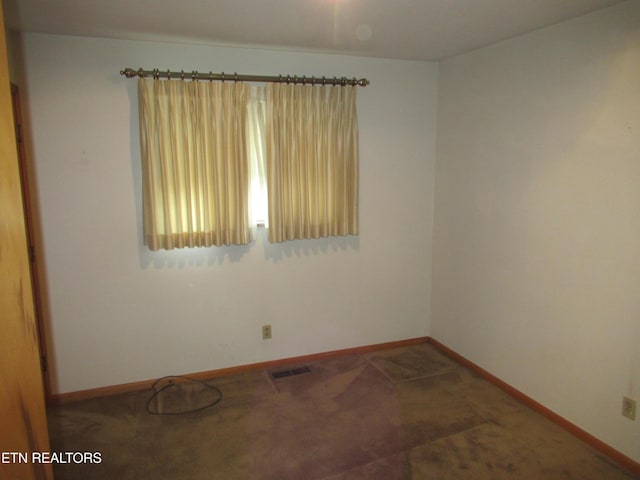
406	413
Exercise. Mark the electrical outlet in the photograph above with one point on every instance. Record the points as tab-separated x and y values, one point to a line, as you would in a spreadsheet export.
266	332
629	408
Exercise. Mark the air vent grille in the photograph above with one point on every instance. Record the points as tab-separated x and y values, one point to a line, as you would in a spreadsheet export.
289	372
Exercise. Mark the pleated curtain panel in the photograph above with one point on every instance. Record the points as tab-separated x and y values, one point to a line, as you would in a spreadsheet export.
195	183
206	148
311	161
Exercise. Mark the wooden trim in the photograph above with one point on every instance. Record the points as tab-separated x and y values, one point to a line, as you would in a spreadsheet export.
29	221
146	384
599	445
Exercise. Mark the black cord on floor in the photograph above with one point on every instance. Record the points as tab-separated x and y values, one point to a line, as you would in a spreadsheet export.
170	383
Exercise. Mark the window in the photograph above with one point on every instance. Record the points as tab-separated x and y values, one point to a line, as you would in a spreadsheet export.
218	157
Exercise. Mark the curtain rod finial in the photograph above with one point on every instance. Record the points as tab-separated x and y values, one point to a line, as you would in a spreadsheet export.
128	72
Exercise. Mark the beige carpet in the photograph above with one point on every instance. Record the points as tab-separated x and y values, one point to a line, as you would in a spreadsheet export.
406	413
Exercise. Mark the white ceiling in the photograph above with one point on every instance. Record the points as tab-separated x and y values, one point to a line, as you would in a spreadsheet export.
406	29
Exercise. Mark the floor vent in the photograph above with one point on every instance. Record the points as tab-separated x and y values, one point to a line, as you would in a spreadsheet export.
289	372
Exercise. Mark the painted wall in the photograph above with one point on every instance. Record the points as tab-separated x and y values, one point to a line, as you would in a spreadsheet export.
119	313
536	274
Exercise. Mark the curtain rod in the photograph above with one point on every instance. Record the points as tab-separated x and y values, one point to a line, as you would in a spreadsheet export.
234	77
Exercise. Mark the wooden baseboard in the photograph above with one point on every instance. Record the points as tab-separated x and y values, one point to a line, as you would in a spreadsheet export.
59	398
599	445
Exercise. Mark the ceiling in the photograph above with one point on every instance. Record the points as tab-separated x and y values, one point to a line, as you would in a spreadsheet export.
401	29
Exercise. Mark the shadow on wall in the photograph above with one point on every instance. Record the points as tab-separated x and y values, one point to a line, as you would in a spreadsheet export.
298	248
208	256
190	257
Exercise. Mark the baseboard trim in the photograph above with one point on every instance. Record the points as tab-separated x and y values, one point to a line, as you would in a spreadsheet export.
599	445
69	397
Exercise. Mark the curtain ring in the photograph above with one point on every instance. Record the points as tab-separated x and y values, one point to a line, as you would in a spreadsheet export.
313	80
168	74
235	77
156	74
222	77
194	75
182	74
140	72
210	76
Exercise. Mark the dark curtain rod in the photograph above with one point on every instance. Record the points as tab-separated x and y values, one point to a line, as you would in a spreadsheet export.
234	77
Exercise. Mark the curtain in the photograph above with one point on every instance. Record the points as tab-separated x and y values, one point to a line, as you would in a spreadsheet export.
195	166
311	161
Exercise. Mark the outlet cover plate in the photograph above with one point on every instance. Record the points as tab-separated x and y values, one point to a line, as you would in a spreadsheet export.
629	408
266	332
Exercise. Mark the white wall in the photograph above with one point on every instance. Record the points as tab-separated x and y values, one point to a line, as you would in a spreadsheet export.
120	313
536	274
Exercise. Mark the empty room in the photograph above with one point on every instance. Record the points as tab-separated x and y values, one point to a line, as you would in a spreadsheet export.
321	239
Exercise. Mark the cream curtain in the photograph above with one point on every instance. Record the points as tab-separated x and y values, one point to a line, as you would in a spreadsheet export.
311	161
195	166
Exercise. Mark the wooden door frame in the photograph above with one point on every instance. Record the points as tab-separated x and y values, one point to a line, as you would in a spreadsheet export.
29	221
